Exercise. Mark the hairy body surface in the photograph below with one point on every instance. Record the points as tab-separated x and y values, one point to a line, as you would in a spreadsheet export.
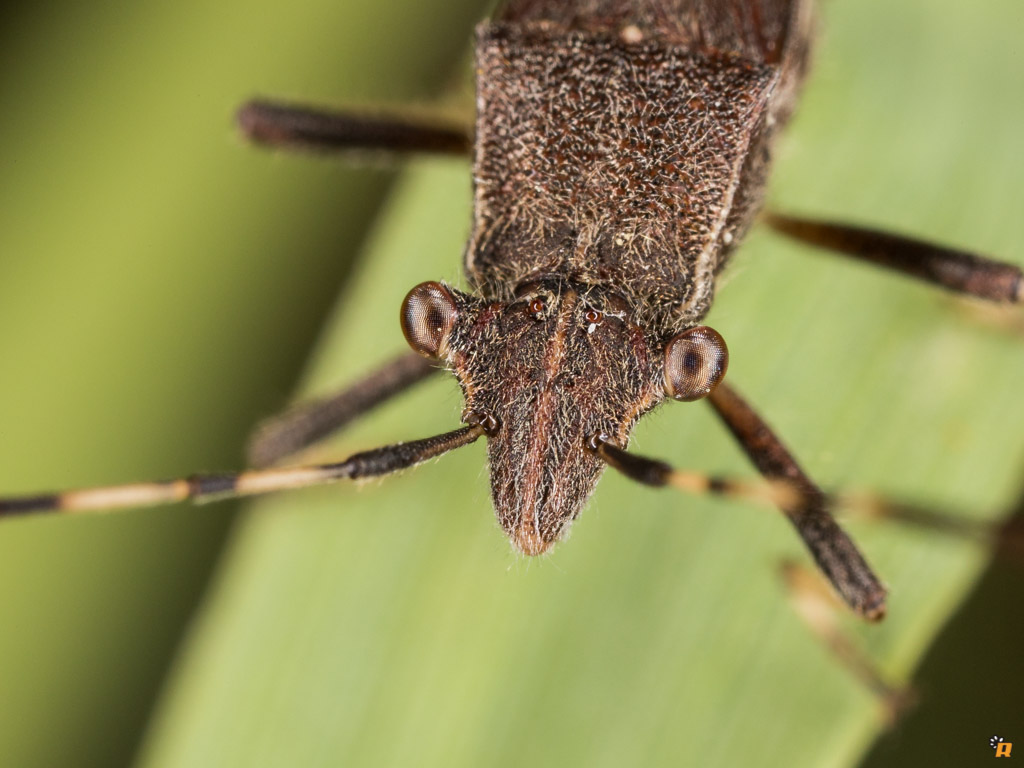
621	151
625	145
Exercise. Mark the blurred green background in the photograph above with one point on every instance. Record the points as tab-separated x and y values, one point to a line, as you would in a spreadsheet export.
162	285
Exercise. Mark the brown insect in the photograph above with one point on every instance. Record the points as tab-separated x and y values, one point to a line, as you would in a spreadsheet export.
620	153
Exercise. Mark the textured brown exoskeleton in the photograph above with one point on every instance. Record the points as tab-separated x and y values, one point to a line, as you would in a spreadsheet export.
620	153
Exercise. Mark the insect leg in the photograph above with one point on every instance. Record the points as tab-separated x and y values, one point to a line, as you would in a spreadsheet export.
959	271
786	486
834	551
307	423
380	461
813	601
1004	539
818	609
278	124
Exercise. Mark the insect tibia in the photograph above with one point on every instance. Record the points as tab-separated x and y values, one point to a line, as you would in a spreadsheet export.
819	609
809	511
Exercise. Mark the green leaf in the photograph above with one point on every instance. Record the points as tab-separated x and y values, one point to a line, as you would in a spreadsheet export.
160	284
390	623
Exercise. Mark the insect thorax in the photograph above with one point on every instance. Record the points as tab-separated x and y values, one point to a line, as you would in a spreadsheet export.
634	165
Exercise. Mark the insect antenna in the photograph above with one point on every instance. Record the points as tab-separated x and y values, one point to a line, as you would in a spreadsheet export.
807	506
803	502
1004	538
372	463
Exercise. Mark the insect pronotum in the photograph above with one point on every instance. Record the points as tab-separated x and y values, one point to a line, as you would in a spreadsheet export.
620	153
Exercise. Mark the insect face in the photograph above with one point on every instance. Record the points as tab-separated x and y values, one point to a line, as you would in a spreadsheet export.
544	373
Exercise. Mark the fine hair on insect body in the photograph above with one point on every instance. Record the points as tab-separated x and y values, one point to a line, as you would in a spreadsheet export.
601	224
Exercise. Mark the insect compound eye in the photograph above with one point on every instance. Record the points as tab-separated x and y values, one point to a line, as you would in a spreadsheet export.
537	308
428	315
592	316
695	361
